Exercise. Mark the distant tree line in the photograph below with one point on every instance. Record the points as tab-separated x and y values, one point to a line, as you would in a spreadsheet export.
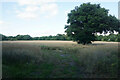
111	37
28	37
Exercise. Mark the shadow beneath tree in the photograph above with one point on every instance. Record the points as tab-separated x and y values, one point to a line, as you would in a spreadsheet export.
98	44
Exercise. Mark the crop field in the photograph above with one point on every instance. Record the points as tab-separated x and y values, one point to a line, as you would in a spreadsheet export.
59	59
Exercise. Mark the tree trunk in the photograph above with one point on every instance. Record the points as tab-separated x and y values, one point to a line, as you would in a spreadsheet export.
78	42
84	43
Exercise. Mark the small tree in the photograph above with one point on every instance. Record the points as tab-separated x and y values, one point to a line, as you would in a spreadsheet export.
27	37
87	20
23	37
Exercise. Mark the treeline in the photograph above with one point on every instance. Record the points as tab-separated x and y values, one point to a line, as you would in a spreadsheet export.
111	37
28	37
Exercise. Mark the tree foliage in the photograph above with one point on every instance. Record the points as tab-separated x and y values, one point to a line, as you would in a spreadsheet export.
111	37
87	20
23	37
28	37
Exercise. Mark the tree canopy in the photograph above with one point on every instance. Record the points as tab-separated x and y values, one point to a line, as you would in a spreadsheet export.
87	20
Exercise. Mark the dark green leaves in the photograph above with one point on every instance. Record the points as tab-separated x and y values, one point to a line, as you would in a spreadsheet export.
88	19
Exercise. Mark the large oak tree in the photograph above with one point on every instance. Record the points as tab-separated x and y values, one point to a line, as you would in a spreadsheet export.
87	20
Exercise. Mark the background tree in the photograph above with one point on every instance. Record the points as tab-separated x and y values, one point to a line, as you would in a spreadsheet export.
87	20
23	37
2	37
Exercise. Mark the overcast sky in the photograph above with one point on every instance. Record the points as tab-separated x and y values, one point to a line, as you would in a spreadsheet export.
40	17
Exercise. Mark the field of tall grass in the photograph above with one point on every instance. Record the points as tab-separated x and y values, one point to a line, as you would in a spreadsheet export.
59	59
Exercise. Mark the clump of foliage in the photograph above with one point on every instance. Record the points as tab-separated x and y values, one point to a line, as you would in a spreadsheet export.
87	20
111	37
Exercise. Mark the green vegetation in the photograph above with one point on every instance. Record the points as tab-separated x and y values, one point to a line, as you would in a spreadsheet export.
87	20
59	59
111	37
28	37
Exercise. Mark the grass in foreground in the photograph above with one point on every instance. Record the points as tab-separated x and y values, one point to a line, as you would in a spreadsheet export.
51	59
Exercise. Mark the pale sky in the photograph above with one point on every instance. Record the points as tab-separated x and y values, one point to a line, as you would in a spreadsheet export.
40	17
